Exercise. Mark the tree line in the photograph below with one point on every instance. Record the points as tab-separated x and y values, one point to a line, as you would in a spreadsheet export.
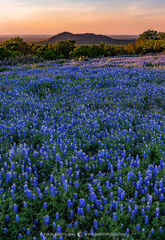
149	41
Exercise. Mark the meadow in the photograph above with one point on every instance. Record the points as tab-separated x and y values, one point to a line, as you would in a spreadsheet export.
82	149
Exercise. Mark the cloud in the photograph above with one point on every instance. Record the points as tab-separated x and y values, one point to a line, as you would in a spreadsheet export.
13	10
106	16
17	10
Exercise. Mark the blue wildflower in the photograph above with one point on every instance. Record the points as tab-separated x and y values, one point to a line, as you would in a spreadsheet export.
95	224
138	227
114	217
46	220
17	218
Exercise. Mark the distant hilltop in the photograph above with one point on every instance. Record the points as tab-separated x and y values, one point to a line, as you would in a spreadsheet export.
86	38
124	37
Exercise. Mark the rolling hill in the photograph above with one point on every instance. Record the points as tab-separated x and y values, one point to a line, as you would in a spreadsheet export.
86	38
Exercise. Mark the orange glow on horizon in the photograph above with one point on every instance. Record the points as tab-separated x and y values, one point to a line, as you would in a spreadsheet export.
112	26
79	19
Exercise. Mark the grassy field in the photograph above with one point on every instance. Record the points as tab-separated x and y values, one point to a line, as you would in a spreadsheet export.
82	149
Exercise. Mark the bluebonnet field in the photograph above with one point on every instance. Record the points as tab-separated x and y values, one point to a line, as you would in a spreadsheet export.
82	150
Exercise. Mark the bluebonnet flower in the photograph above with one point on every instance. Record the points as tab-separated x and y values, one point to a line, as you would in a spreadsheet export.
46	220
107	184
66	185
157	212
138	227
71	214
63	178
96	213
45	205
95	224
121	208
88	208
105	200
146	219
13	187
52	190
148	206
122	195
161	183
7	218
161	162
36	221
15	208
149	198
161	197
76	184
54	225
29	193
42	236
114	217
46	190
57	216
101	208
17	218
93	197
127	231
152	231
80	211
28	231
8	177
111	195
5	230
58	229
70	204
92	234
75	224
82	202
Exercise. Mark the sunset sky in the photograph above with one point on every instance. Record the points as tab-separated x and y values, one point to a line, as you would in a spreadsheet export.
80	16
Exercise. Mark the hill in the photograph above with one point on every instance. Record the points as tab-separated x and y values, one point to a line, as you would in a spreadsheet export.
124	37
86	38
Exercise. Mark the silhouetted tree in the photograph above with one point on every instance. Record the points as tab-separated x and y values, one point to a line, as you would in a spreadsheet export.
161	35
4	53
18	45
149	34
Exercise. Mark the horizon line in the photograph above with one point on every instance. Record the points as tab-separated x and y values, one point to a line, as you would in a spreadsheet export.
47	34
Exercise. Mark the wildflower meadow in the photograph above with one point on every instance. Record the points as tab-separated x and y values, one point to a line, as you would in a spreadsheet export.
82	149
